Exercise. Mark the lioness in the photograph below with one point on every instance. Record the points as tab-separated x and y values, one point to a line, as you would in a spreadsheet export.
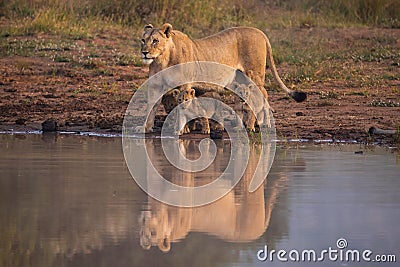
243	48
238	216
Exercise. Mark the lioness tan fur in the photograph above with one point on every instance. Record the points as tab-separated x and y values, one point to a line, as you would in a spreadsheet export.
239	216
243	48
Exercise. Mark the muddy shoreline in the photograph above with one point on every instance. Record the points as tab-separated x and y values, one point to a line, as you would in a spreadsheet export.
86	85
368	138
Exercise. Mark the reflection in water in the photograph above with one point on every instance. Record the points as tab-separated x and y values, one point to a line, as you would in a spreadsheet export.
70	201
63	197
239	216
58	198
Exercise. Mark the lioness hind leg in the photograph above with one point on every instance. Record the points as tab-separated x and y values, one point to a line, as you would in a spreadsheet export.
266	114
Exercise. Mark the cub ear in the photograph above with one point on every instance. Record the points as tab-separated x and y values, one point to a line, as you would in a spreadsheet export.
252	86
167	29
192	92
148	27
164	244
175	92
235	85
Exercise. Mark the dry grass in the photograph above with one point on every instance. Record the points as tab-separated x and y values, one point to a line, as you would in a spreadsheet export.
302	32
197	18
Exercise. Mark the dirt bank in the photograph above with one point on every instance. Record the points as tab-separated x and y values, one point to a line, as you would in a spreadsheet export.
87	85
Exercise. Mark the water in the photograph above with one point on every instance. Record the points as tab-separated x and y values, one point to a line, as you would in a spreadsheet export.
70	201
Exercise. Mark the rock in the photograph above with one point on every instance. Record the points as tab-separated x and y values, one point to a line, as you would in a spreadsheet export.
20	121
49	125
104	123
216	134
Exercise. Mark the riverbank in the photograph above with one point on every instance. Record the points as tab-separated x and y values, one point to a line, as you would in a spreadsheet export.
351	77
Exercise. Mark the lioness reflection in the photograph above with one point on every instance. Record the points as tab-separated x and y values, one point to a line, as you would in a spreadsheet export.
239	216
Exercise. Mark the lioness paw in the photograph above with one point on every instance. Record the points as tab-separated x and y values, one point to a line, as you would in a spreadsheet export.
143	129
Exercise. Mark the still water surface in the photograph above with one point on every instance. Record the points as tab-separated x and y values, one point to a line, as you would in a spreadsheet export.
70	201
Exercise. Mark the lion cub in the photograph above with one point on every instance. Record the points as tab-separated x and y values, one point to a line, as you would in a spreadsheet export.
170	100
252	97
191	108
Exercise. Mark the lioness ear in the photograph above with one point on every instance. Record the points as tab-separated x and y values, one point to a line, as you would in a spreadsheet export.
148	27
167	29
164	244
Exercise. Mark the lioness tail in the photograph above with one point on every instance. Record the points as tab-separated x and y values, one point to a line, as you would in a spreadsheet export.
296	95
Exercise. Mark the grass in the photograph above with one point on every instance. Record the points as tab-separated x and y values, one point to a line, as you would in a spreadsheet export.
365	93
329	95
313	56
384	103
345	12
197	18
324	103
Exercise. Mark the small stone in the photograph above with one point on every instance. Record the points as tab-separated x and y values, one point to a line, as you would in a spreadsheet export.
10	90
49	125
20	121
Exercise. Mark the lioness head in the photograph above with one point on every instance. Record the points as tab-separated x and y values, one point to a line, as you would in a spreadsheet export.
155	41
154	231
186	95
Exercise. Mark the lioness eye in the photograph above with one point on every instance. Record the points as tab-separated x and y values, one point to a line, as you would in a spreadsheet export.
142	41
155	41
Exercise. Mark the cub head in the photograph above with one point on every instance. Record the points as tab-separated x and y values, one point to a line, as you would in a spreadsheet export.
170	100
243	90
186	96
155	42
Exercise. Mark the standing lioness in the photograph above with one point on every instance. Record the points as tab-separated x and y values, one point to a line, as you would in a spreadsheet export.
243	48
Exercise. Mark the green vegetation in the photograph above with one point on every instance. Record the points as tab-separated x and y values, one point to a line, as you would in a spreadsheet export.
302	33
384	103
80	19
384	13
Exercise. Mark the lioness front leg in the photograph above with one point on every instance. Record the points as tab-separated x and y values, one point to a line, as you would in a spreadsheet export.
206	127
149	123
218	117
181	125
249	119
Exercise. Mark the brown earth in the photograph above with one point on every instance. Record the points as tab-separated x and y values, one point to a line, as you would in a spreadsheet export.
86	85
